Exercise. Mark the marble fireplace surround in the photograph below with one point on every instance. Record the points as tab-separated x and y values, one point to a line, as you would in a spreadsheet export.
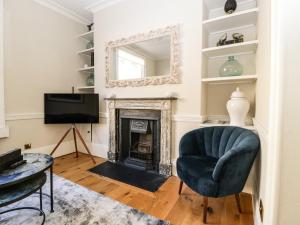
162	104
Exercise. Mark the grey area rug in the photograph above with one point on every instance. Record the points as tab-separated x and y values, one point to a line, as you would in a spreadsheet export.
74	205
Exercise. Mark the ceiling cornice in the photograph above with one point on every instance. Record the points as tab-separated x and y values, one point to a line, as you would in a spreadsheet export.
64	11
102	4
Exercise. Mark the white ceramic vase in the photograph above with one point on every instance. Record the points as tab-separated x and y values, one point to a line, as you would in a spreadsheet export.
238	107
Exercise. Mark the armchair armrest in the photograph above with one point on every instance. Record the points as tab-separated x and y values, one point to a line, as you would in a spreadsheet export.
236	162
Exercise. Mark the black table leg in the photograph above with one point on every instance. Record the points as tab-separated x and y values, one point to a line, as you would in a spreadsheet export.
51	188
41	201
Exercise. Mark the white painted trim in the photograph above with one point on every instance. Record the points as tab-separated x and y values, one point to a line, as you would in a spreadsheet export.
63	11
34	116
275	119
188	118
65	148
4	131
24	116
262	131
102	4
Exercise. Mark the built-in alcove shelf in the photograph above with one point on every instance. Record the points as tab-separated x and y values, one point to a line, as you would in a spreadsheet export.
238	19
89	36
87	69
232	79
216	91
244	47
86	51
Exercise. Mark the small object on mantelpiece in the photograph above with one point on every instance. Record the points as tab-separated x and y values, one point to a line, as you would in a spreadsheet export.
230	6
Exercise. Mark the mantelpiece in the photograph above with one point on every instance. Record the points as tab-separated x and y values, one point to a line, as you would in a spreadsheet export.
164	105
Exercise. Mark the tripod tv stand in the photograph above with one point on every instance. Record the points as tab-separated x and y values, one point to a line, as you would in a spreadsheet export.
75	131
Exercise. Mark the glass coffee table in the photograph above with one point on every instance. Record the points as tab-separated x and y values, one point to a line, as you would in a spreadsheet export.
17	184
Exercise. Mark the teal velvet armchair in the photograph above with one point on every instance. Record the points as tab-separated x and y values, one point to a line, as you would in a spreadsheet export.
216	161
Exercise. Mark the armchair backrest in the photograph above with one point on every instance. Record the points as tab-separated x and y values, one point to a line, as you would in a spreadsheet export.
216	141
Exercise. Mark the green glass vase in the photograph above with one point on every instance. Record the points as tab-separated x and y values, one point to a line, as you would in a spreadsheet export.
231	68
90	80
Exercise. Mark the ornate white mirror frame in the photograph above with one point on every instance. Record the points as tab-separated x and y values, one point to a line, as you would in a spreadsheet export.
175	60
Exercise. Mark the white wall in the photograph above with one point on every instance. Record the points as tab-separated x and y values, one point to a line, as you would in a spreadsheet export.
288	48
40	56
263	62
131	17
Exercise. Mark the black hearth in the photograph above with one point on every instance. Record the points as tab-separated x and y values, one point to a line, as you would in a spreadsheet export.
139	139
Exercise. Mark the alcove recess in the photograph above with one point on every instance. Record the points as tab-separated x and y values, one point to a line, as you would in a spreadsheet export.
216	90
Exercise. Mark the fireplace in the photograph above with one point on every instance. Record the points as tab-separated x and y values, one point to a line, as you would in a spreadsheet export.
139	139
140	133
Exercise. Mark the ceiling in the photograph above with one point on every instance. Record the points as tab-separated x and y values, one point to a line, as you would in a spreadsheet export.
78	7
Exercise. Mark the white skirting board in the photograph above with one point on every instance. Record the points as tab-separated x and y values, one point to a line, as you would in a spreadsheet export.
99	150
65	148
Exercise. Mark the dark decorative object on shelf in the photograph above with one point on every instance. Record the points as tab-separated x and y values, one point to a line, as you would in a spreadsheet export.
237	38
92	59
230	6
222	40
90	26
10	158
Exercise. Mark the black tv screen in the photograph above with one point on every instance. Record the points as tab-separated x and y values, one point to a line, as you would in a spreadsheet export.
71	108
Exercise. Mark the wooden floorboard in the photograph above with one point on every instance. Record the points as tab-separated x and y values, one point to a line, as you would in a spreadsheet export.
165	203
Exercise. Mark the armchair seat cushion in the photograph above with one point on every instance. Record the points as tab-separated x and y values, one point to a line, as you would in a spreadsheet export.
196	172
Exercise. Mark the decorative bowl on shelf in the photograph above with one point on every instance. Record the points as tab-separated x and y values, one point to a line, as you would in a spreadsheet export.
231	68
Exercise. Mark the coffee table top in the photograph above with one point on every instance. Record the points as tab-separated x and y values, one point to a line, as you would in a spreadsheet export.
36	163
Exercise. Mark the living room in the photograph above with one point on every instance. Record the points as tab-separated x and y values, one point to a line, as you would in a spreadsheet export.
149	112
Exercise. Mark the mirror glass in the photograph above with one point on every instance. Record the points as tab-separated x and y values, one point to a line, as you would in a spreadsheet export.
142	59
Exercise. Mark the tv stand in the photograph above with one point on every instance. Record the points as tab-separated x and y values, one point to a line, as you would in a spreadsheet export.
75	131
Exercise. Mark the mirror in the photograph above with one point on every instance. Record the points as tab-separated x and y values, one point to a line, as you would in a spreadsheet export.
143	59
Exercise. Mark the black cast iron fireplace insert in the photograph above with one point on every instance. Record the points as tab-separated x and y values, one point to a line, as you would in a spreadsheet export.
138	139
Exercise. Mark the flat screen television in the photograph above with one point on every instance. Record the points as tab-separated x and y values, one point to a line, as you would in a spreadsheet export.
71	108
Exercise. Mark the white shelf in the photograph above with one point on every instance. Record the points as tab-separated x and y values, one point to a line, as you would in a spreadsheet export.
85	88
232	79
249	46
238	19
86	51
89	36
87	69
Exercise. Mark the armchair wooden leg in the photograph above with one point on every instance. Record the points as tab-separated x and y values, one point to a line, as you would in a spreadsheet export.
180	187
205	204
238	202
